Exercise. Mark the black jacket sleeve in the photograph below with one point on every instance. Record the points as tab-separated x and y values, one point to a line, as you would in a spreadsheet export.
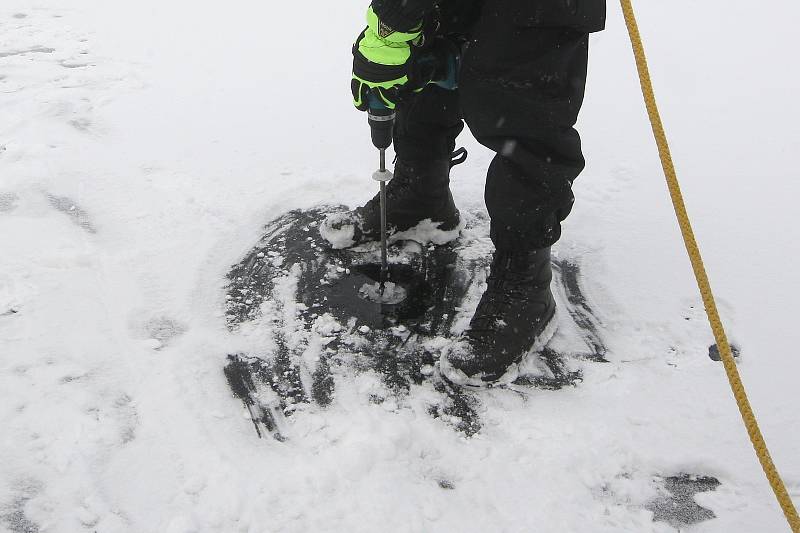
402	15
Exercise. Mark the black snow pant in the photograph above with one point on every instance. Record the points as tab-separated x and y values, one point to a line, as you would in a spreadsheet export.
521	87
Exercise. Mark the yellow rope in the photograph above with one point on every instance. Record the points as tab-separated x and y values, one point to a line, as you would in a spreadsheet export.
702	278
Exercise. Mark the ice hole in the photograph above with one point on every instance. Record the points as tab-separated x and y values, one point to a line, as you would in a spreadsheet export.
392	293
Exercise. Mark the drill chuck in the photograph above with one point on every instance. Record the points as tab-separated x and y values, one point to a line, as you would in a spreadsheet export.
381	121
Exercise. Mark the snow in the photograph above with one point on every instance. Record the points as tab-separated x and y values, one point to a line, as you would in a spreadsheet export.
143	147
339	230
427	232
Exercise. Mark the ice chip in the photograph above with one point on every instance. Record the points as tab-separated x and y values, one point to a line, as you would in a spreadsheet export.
392	293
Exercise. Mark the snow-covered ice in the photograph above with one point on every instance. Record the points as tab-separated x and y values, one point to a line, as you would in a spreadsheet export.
144	145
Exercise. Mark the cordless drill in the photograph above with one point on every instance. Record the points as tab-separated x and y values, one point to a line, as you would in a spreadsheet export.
381	122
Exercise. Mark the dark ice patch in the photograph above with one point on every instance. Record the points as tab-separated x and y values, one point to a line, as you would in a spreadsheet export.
241	374
13	514
19	15
16	520
714	354
677	506
323	384
73	211
458	408
561	374
579	308
392	341
446	484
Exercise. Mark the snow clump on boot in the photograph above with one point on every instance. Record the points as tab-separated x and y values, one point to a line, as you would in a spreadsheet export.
339	229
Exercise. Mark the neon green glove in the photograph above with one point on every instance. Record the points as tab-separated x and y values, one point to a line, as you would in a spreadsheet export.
381	63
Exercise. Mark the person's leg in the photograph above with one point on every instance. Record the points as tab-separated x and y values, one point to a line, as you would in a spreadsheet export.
427	124
425	130
521	90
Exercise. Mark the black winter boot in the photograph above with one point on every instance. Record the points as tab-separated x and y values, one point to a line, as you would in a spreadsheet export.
418	192
511	320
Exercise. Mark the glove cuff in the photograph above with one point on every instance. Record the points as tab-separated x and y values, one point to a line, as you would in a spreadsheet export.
395	14
390	33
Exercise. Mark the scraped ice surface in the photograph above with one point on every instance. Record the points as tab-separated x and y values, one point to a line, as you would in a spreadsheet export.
392	293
